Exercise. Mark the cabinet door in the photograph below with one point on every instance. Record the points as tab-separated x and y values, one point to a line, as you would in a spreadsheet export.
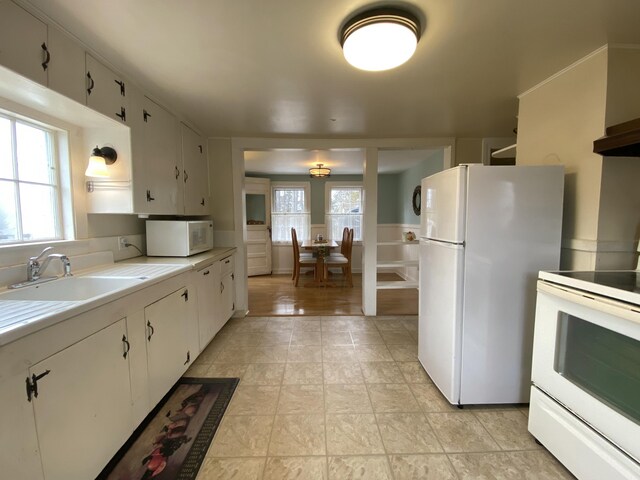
227	300
195	173
168	354
83	406
67	66
23	42
208	282
106	91
160	156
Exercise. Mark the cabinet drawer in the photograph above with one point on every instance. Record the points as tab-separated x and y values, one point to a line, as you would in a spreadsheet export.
226	265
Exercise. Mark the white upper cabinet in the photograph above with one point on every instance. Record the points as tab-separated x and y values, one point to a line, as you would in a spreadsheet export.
195	173
67	66
23	42
106	91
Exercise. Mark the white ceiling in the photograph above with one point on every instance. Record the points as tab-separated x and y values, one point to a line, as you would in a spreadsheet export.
275	67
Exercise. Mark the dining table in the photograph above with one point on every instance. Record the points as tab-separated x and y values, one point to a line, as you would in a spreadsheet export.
321	249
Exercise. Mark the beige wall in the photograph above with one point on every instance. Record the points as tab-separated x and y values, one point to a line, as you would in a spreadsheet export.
221	181
468	150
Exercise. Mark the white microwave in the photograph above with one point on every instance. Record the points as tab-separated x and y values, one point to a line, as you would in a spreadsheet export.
178	238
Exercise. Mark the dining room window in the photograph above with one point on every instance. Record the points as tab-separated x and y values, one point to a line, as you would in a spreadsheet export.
343	208
30	198
290	207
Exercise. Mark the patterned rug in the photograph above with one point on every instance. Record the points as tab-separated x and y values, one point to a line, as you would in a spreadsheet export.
172	441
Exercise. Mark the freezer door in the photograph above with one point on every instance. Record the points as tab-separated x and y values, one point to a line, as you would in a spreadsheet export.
440	314
443	198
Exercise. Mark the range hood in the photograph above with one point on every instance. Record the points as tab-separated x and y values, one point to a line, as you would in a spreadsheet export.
622	140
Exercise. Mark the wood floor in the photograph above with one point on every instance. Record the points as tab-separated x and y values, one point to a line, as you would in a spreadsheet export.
273	295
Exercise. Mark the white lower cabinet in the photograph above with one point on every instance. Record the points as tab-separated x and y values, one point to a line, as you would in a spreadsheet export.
227	298
83	404
208	288
168	354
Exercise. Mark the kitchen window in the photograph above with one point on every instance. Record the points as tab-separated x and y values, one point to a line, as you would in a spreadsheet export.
290	208
30	200
343	208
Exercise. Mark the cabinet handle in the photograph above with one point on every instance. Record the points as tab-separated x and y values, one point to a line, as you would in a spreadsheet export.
91	83
47	56
221	287
227	260
177	172
122	115
206	273
186	176
185	295
188	358
202	202
149	197
233	277
121	87
200	147
145	115
127	346
32	384
151	330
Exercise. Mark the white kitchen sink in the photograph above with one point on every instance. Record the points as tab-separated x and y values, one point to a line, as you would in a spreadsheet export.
71	289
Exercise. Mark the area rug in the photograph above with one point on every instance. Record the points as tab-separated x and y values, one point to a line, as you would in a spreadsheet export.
172	441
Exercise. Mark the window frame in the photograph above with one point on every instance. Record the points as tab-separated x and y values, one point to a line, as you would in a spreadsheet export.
328	186
57	182
306	188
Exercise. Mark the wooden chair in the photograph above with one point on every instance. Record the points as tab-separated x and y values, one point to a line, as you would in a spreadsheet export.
300	260
343	259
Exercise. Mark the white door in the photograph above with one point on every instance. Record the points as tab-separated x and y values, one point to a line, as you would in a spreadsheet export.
258	215
208	285
67	66
105	90
83	407
443	202
440	314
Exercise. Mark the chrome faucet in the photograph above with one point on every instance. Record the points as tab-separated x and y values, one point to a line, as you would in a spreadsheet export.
35	268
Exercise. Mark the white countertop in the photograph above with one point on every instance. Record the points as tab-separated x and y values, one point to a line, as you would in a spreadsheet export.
19	318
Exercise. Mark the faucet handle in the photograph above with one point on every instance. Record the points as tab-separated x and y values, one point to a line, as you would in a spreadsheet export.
35	259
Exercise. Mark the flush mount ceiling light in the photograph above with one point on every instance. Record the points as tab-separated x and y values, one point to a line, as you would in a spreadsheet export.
98	161
319	171
380	39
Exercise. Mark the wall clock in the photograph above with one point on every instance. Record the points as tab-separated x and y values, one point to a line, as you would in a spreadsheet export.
415	200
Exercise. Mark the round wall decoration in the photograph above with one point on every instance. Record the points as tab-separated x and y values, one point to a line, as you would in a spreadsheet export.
415	200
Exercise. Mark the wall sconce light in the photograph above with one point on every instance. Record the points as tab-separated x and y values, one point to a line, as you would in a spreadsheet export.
98	161
380	39
319	171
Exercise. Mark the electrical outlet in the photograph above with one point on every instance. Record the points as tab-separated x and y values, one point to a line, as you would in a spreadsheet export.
122	243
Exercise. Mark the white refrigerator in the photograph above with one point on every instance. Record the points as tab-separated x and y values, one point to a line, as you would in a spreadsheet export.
485	233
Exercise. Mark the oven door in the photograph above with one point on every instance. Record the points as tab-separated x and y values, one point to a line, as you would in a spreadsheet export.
586	356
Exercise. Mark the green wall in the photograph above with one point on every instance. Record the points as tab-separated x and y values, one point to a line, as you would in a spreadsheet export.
409	179
389	208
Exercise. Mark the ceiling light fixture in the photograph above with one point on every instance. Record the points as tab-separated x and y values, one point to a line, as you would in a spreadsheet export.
98	161
319	171
380	39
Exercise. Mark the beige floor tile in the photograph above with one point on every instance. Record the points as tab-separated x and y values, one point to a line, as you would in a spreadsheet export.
461	432
342	373
373	353
430	399
254	400
397	337
333	325
296	468
263	374
389	324
279	324
359	468
303	337
336	338
340	354
270	354
249	324
306	325
276	338
524	409
410	324
532	465
392	398
508	429
363	326
353	434
367	337
342	398
381	372
246	339
300	399
422	467
305	353
211	352
227	370
237	354
404	353
231	468
302	374
413	372
407	433
296	435
246	436
197	370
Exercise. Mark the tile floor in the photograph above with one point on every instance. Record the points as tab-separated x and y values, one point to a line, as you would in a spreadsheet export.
345	398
